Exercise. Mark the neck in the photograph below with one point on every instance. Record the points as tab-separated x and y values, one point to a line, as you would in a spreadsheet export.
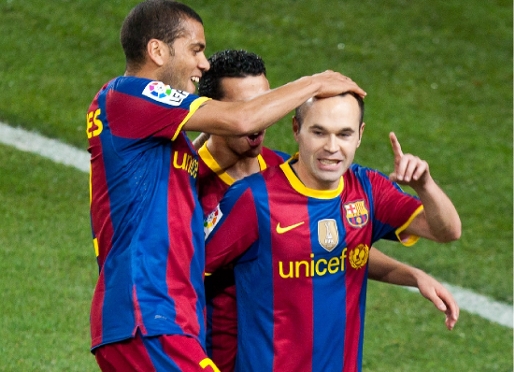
310	182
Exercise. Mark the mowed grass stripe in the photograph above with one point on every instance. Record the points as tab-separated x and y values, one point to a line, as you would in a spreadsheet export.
68	155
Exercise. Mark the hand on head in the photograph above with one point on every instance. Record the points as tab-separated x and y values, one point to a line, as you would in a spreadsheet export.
334	83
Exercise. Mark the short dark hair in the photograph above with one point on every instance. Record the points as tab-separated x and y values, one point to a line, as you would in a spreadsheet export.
301	110
229	63
153	19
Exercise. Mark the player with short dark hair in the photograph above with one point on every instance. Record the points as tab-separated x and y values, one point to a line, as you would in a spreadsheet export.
235	75
299	236
148	305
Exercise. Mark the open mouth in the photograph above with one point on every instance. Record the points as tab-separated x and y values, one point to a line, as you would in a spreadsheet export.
255	139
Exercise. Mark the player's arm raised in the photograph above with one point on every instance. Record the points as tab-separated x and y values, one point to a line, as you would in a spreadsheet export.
439	221
256	114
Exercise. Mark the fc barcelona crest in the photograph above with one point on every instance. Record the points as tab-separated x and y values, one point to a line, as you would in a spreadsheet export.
328	236
356	213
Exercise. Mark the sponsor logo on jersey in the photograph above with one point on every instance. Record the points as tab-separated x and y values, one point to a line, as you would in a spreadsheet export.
282	230
163	93
356	213
328	236
188	163
358	256
313	267
212	219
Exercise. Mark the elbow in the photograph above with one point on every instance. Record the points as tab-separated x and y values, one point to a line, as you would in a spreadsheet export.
452	233
246	127
456	231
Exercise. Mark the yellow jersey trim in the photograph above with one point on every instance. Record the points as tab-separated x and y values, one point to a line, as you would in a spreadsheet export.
304	190
262	162
95	245
209	160
195	105
411	239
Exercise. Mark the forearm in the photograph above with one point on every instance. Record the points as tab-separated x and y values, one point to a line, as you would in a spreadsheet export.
441	217
258	113
385	269
254	115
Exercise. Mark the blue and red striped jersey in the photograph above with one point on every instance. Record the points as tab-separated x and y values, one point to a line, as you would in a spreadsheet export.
220	289
146	218
213	181
301	264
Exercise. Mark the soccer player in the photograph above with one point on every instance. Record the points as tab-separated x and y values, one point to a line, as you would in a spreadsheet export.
300	234
148	306
238	75
234	75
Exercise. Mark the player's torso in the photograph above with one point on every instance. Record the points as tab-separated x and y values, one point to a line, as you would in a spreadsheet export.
310	264
143	190
213	181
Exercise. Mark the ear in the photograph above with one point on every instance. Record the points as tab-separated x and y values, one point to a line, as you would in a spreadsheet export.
361	132
296	128
157	51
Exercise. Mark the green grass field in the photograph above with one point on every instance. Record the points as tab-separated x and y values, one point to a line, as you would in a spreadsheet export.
438	73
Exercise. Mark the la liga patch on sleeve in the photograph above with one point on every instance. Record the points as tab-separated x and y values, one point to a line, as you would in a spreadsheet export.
160	92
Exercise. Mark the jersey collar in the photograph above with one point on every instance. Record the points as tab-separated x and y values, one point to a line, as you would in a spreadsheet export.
209	160
304	190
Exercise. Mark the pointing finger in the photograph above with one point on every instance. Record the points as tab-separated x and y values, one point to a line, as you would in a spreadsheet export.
395	144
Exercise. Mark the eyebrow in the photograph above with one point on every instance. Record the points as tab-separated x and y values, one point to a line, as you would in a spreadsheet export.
198	44
322	128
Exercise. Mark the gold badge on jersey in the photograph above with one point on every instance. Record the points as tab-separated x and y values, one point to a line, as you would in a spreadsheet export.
358	256
356	213
328	235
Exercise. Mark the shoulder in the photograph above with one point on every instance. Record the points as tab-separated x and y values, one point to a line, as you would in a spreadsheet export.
274	157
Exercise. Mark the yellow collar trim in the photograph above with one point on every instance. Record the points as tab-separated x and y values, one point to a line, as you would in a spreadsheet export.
304	190
209	160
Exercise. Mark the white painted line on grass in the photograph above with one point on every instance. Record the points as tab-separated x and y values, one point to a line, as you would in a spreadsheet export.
49	148
480	305
68	155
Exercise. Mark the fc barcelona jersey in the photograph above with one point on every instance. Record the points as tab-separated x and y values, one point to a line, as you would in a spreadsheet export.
213	182
302	264
146	218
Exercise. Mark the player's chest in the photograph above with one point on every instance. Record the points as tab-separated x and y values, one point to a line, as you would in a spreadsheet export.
184	159
308	227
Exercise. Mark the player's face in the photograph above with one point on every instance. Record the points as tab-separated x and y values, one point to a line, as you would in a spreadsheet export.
183	69
327	141
242	89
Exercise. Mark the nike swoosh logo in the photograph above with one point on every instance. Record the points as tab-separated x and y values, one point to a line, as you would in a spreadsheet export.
282	230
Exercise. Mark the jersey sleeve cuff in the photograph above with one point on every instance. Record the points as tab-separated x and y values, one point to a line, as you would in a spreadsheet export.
192	109
408	240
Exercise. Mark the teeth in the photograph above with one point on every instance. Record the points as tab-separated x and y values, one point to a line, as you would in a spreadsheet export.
195	79
327	161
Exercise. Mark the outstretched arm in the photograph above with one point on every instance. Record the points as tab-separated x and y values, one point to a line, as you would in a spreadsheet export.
247	117
386	269
439	221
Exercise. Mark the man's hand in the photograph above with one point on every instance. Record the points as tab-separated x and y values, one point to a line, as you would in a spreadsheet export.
435	292
408	169
200	140
334	83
